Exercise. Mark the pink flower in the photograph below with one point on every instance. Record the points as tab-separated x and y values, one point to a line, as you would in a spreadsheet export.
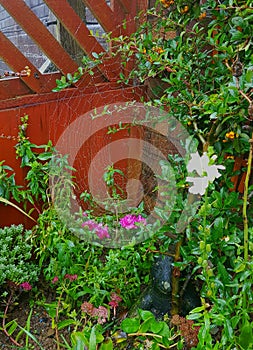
102	314
70	277
100	230
129	221
115	297
55	279
114	303
88	308
25	286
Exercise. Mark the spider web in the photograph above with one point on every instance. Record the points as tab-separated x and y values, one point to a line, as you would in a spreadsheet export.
98	122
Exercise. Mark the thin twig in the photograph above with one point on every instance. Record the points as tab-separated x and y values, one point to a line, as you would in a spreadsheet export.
3	322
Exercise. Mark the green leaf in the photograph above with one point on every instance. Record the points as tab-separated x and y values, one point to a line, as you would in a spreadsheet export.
194	316
13	326
78	340
197	309
65	323
165	331
246	336
93	339
69	77
145	314
30	335
119	336
107	345
240	268
45	156
146	325
130	325
156	326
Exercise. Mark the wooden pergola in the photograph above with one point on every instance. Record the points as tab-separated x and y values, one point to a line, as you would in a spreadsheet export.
111	19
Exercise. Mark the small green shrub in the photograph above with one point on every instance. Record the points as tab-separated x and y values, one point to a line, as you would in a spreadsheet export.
15	256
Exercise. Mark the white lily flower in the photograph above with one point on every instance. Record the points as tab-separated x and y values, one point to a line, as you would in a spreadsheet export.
207	173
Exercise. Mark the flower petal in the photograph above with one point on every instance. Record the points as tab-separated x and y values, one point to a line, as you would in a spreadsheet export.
199	184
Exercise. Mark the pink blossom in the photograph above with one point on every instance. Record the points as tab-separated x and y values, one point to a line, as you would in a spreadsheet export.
100	230
87	308
70	277
25	286
129	221
113	304
102	314
115	297
55	279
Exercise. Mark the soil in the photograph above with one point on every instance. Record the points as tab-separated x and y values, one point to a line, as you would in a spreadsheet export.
40	326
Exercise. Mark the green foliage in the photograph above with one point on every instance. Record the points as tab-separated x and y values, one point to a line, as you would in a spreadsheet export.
145	329
202	67
15	256
89	63
203	75
8	187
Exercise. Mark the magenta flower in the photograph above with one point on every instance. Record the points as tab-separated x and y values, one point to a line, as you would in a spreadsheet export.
114	303
55	279
25	286
129	221
100	230
70	277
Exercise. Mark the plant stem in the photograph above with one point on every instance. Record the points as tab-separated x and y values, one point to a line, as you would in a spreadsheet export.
3	323
245	203
175	281
57	318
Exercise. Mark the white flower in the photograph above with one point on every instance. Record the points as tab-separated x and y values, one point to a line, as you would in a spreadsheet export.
207	173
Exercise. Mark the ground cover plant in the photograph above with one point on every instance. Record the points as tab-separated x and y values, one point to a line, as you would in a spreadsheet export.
197	63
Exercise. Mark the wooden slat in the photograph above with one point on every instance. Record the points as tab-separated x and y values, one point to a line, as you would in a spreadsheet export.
142	5
75	26
126	5
17	62
78	30
11	88
37	31
103	13
106	89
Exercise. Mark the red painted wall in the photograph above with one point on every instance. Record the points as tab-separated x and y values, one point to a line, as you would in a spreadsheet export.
49	115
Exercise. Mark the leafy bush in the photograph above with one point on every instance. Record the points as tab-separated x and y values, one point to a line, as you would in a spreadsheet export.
16	263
